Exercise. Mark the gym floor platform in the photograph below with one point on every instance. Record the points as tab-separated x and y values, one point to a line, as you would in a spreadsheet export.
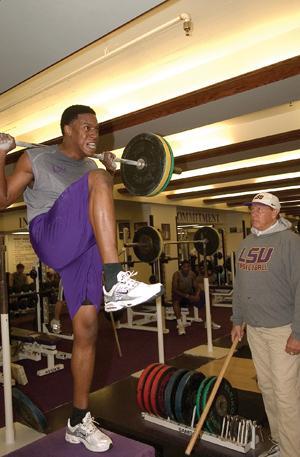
116	410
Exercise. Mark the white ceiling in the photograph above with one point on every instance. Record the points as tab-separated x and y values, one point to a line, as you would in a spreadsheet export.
35	34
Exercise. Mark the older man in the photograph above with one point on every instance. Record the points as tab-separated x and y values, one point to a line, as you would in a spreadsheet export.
267	299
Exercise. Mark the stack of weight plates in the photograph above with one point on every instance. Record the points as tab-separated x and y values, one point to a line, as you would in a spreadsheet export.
168	392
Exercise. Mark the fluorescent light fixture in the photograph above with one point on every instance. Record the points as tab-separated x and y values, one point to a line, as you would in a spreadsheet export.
20	233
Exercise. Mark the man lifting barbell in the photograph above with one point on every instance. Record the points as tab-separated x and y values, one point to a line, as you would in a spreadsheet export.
72	229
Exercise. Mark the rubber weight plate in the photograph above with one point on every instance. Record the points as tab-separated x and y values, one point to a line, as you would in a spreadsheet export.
212	237
148	386
170	392
168	169
185	398
158	392
141	383
150	244
225	402
151	149
199	395
27	411
155	387
172	163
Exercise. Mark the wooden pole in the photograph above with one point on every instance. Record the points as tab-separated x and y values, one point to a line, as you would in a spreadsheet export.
211	399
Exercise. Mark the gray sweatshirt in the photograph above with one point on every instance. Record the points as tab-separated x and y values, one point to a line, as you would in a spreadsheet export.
267	284
53	173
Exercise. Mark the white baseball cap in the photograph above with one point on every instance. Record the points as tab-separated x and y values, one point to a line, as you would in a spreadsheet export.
265	198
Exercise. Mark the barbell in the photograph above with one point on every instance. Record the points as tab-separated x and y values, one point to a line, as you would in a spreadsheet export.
148	244
146	165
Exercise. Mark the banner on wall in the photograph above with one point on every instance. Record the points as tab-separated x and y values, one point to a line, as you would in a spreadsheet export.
19	250
189	215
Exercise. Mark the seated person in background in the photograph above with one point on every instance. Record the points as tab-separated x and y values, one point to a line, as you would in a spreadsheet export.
187	290
18	279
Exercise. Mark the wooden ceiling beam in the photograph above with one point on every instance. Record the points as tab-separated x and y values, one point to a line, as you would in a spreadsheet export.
238	201
195	160
257	171
256	187
241	83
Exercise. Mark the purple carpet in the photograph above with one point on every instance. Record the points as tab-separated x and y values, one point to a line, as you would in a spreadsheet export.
55	445
139	349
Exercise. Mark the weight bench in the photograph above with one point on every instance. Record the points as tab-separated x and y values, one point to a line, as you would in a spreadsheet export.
33	345
142	317
222	296
186	318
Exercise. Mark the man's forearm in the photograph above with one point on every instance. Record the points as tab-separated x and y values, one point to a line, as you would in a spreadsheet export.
3	182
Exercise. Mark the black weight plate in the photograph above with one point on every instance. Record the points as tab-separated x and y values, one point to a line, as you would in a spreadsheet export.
212	237
146	181
27	411
170	392
225	403
150	244
185	397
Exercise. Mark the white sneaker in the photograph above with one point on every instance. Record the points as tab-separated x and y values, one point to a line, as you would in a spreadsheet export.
274	451
181	329
214	326
55	326
88	434
127	292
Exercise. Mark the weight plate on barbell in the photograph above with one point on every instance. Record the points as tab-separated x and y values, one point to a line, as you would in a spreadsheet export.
150	244
156	155
165	185
212	240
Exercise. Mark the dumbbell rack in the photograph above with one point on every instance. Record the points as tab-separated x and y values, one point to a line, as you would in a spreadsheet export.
205	436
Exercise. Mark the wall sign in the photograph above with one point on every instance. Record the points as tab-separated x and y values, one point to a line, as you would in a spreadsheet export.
187	215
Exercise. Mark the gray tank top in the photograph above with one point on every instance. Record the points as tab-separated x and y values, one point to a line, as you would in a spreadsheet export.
53	173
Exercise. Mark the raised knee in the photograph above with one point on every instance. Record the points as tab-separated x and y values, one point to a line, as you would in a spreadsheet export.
99	178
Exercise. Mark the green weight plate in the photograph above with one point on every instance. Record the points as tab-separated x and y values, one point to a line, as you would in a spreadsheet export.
168	169
170	392
152	177
186	396
224	403
27	411
198	397
205	396
150	244
171	167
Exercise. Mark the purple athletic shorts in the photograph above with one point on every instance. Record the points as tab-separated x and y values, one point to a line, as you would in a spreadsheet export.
64	240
